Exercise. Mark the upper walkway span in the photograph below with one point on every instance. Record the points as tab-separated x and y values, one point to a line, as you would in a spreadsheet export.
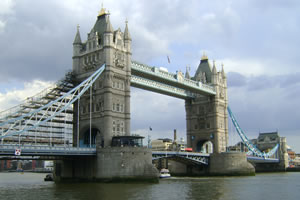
164	82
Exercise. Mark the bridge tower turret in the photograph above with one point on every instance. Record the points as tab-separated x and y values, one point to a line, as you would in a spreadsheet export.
77	45
207	129
127	45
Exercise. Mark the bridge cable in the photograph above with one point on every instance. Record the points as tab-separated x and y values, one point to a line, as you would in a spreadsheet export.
252	148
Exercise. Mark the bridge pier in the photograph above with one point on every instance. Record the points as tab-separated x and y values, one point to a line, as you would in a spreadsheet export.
179	168
283	159
230	164
110	164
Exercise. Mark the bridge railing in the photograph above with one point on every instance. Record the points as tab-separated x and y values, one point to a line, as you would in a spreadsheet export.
45	150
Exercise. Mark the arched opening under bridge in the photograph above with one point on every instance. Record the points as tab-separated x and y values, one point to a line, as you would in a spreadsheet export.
86	138
204	146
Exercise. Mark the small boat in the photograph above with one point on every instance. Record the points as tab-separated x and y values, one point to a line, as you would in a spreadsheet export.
49	177
164	173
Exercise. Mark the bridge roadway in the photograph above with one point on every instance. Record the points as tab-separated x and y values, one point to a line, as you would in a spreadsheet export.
47	152
43	152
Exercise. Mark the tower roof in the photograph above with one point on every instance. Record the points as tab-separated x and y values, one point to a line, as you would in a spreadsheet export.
103	23
77	39
204	67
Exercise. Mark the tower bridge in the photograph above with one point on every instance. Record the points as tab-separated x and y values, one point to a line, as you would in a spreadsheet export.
92	105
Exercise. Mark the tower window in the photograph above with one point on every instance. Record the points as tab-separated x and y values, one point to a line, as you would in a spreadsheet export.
208	125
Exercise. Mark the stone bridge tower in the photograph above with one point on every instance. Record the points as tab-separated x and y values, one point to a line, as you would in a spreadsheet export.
207	120
104	110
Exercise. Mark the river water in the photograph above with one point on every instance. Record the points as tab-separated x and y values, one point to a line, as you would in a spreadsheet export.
31	186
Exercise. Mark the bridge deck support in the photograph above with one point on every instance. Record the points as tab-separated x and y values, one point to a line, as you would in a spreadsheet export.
110	164
230	164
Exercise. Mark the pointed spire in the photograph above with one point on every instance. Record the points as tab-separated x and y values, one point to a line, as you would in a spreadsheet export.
223	72
187	74
126	32
77	39
102	11
108	28
204	56
214	70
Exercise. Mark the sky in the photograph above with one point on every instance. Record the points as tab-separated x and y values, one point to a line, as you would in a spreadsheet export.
257	41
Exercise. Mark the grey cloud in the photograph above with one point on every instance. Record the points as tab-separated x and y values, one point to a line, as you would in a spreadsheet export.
235	79
36	41
156	110
267	102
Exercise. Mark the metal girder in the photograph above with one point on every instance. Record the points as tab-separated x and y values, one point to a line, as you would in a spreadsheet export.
197	158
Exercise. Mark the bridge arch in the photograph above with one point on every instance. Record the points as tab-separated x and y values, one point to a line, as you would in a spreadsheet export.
96	137
204	146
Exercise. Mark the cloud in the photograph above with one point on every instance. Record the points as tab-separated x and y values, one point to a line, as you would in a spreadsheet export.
6	7
2	26
235	79
267	102
14	96
156	110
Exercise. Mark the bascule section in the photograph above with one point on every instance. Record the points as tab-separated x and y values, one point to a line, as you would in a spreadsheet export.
206	115
35	121
104	111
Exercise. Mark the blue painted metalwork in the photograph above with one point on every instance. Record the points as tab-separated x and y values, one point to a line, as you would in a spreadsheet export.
252	148
9	150
255	159
198	158
48	111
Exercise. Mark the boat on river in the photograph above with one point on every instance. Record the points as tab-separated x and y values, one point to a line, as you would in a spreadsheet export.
164	173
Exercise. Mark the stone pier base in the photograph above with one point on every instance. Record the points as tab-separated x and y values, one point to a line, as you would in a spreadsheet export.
230	164
109	165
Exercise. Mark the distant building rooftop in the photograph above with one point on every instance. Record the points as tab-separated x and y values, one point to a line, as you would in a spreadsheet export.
165	139
270	136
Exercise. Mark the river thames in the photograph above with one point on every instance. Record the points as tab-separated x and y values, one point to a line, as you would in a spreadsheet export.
31	186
